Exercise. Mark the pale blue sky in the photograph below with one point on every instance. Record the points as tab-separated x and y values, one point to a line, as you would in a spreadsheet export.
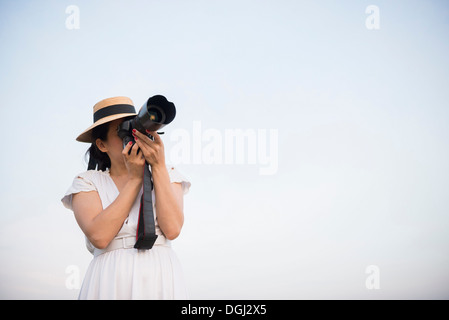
361	117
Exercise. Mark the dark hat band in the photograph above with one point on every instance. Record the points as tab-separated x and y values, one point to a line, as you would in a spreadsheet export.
114	109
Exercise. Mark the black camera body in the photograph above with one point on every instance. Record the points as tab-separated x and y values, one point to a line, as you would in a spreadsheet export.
156	113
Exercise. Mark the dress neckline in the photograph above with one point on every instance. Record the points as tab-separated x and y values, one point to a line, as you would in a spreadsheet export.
108	173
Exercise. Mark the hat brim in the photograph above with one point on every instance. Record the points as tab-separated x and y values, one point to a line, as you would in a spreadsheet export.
86	136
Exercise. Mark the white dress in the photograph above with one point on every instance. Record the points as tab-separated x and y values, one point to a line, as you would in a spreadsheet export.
120	271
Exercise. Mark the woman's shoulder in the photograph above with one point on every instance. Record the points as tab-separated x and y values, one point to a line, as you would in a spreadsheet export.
91	180
93	177
93	174
177	177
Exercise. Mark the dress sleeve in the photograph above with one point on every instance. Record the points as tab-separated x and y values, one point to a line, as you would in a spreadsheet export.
176	176
81	183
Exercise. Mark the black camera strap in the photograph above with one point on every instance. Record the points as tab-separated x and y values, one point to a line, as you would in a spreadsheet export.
146	229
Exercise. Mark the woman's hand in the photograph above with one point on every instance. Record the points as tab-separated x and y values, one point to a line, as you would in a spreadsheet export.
153	151
134	161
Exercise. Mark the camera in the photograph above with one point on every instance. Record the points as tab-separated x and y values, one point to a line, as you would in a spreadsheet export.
156	113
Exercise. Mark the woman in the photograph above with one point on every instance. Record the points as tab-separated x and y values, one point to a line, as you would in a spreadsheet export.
106	201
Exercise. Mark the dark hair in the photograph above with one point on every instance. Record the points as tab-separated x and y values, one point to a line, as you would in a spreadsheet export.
98	160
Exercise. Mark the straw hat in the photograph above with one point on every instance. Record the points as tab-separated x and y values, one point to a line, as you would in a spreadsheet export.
108	110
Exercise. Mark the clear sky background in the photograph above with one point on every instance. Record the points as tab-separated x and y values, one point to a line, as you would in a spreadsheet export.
361	118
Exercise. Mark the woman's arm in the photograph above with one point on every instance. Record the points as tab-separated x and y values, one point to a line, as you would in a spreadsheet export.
169	203
169	196
101	226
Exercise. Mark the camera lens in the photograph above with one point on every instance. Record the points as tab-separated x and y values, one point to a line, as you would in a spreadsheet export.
155	115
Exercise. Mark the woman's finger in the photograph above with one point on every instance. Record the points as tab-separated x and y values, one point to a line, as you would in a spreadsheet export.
142	137
135	149
127	148
142	146
156	136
